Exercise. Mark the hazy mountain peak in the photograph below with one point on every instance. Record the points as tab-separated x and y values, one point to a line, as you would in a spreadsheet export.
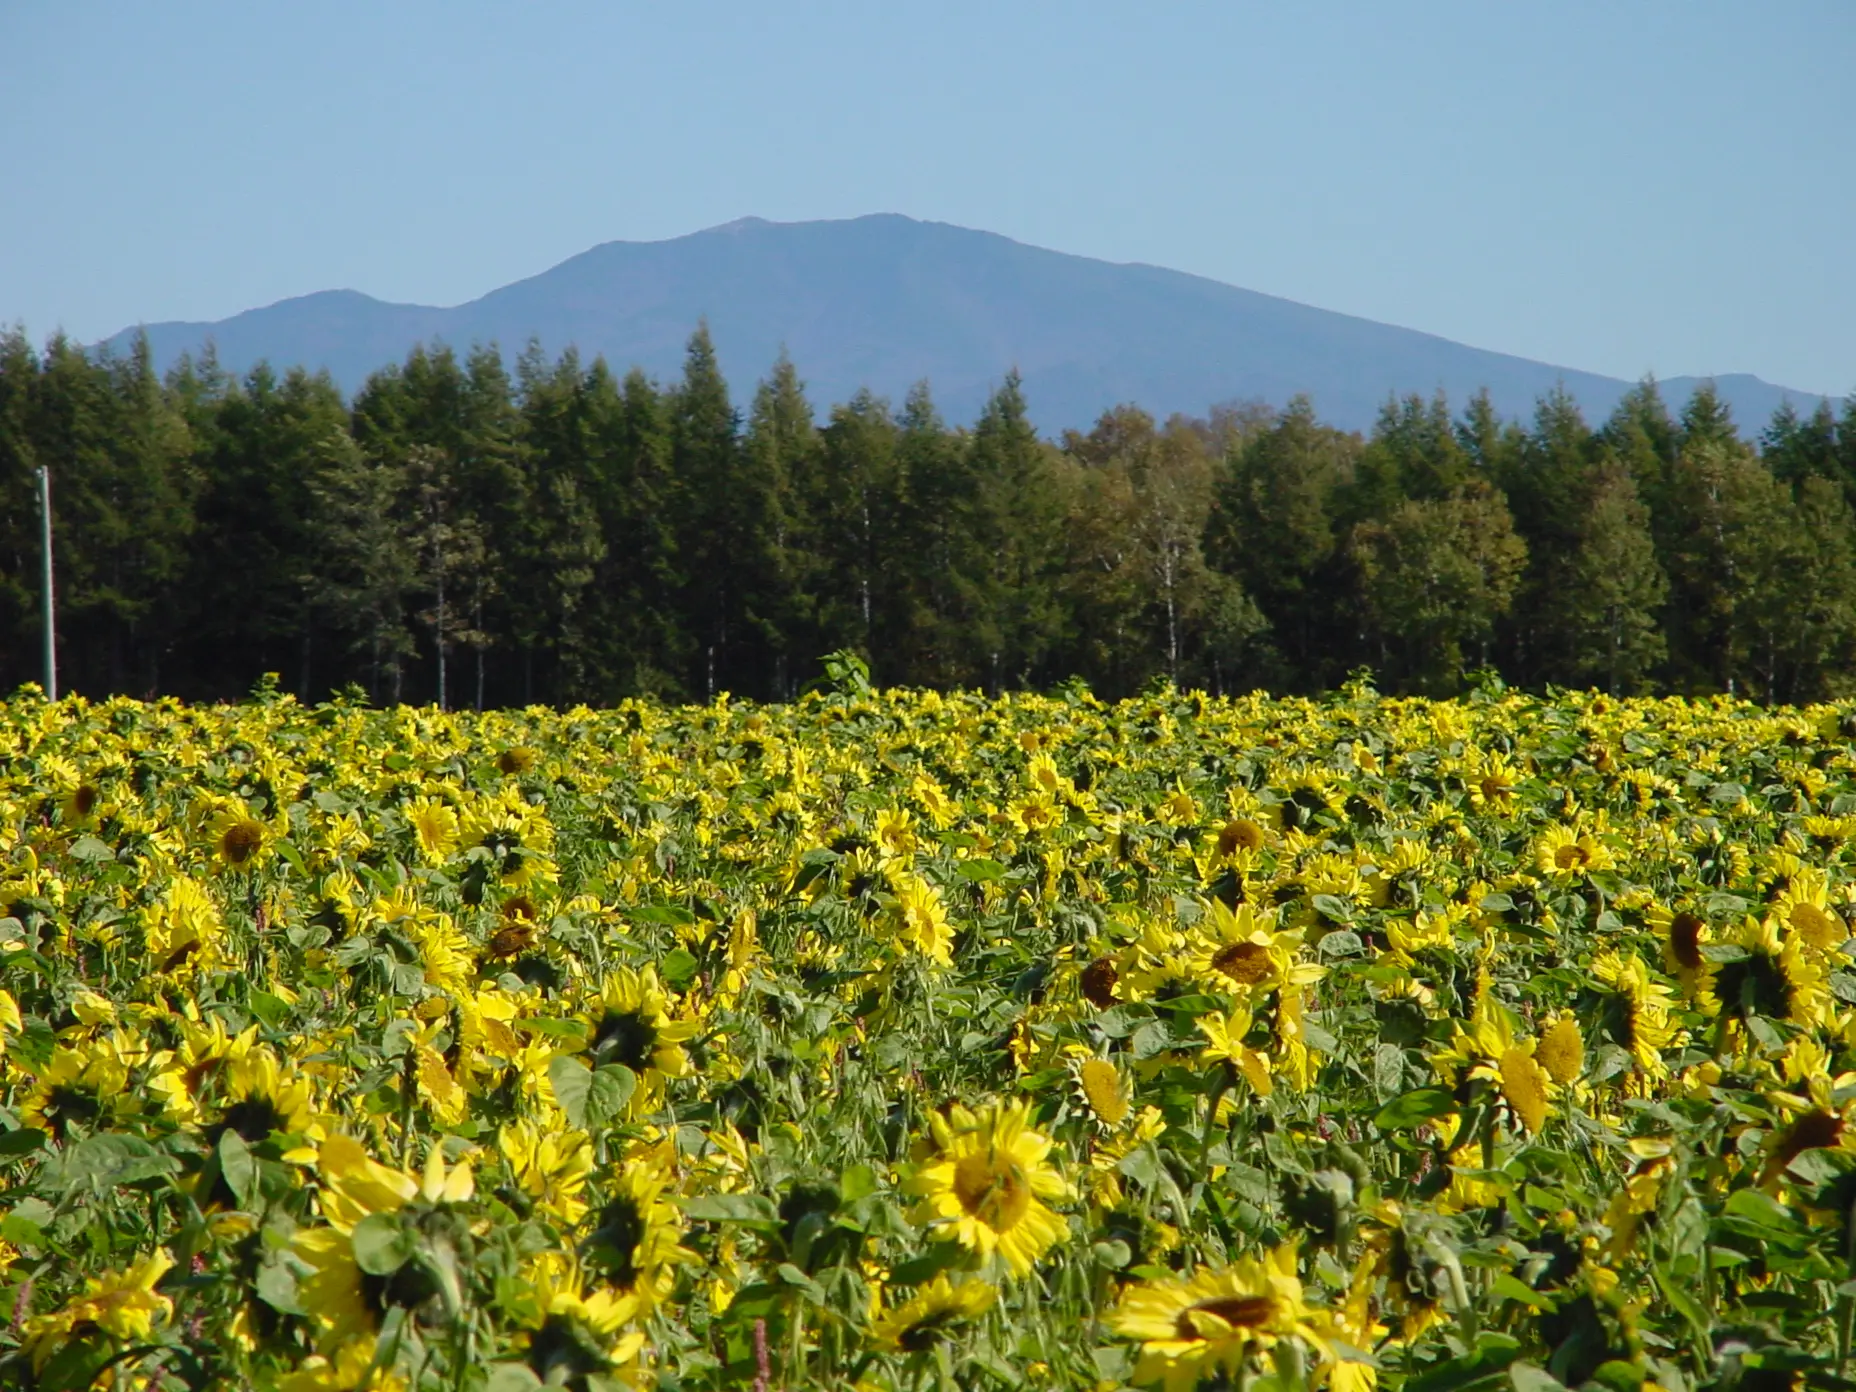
884	300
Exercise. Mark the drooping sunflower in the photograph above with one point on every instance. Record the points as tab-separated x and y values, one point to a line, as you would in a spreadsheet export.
1225	1042
933	1313
1561	1050
1212	1322
636	1235
1637	1196
1103	1090
350	1368
1404	1258
334	1293
1493	1050
895	832
260	1097
1637	1011
184	933
1776	978
985	1182
630	1023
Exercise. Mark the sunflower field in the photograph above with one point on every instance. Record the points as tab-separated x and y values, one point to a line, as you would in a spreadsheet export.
917	1041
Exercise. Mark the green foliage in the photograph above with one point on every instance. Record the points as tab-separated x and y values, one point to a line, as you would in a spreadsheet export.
547	532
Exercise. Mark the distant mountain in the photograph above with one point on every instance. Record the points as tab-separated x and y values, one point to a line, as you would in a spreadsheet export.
884	301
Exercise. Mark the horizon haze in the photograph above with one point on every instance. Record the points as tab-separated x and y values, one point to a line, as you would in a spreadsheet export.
885	300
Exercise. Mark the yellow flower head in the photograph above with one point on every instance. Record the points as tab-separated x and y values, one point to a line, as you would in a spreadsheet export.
632	1025
1214	1320
921	919
986	1183
935	1311
435	827
124	1304
239	840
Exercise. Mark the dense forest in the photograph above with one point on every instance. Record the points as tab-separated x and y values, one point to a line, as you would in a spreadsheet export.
469	534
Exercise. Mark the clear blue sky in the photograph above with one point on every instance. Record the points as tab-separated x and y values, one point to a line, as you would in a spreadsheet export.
1629	187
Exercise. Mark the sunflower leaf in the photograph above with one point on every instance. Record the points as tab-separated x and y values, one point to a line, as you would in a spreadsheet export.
239	1168
1414	1108
21	1142
381	1245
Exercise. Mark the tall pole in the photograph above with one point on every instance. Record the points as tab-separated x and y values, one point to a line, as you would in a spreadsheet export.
51	606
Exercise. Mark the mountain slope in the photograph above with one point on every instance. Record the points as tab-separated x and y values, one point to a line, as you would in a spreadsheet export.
884	301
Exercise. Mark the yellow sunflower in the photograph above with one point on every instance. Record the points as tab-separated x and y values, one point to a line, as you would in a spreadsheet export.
986	1182
1683	934
568	1332
124	1305
239	840
435	826
921	918
635	1237
931	1314
1567	852
83	1085
631	1024
1103	1090
345	1303
1804	910
1776	978
1491	781
551	1167
260	1097
1216	1320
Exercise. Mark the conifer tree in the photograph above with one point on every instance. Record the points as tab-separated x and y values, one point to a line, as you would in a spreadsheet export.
1018	517
560	543
263	444
854	509
938	567
20	634
1728	522
705	447
779	463
640	644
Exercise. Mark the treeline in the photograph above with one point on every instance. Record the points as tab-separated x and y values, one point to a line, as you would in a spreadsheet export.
464	532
